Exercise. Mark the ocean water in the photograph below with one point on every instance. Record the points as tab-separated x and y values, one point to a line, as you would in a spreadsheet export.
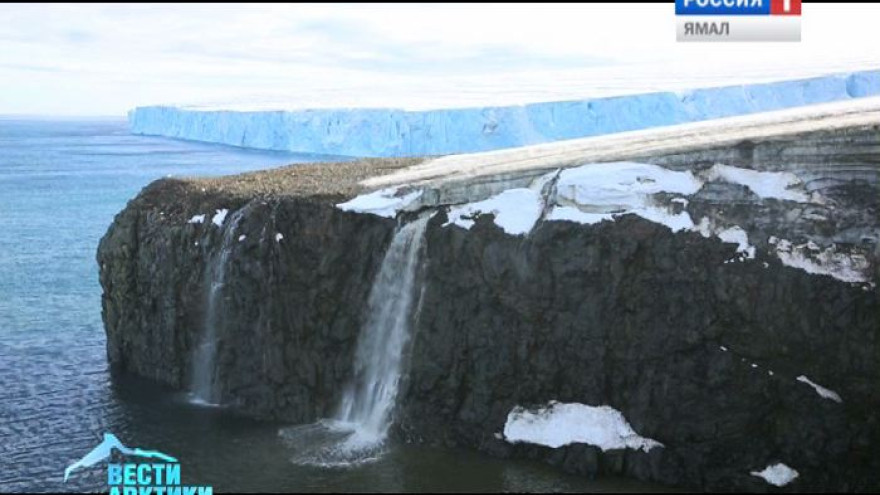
61	183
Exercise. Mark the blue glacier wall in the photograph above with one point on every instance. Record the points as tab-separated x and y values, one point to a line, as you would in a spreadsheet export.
394	132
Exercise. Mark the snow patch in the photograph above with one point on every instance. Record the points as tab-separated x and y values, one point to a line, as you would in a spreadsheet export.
777	185
704	228
822	391
516	211
278	237
197	219
242	237
777	474
597	192
384	202
572	214
736	235
731	235
559	424
676	222
219	217
601	191
848	267
622	184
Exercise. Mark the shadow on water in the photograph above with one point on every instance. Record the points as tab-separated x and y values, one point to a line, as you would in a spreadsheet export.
233	453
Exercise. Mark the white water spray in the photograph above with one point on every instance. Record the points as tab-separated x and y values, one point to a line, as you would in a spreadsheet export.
203	385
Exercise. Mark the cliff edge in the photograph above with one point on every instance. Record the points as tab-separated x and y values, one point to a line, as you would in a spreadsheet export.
723	300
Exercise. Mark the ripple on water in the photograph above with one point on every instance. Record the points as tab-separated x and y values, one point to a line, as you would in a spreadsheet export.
57	395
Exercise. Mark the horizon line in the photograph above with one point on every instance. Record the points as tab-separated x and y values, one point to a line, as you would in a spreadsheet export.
46	116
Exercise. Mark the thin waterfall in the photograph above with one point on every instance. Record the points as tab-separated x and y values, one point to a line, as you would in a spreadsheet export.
369	399
360	426
203	385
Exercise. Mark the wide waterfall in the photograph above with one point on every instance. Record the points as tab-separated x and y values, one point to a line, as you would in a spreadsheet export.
357	432
203	378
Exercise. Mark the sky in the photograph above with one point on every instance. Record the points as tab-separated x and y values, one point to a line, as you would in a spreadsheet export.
105	59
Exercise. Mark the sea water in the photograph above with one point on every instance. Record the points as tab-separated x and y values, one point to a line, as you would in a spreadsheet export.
61	183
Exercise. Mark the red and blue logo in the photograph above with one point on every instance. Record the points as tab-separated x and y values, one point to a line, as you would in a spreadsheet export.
738	7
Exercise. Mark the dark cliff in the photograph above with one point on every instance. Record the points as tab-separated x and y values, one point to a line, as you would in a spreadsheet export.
698	354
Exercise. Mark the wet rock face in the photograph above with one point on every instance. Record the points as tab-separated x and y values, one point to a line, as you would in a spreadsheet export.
290	310
659	327
697	352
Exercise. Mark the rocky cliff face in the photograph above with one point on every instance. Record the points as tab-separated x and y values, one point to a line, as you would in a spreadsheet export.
715	359
290	307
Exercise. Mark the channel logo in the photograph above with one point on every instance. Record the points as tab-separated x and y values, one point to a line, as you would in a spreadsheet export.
738	20
160	477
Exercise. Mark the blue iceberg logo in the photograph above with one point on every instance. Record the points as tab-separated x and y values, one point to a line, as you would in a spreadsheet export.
161	477
105	448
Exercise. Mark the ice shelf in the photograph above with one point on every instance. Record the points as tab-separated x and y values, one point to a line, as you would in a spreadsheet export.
387	132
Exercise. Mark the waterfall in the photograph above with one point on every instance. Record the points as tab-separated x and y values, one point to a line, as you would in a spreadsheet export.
369	399
359	428
203	384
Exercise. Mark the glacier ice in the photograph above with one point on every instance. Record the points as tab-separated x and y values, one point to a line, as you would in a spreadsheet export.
385	132
595	192
778	185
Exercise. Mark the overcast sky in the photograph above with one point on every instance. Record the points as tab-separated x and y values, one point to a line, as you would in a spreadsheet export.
107	59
